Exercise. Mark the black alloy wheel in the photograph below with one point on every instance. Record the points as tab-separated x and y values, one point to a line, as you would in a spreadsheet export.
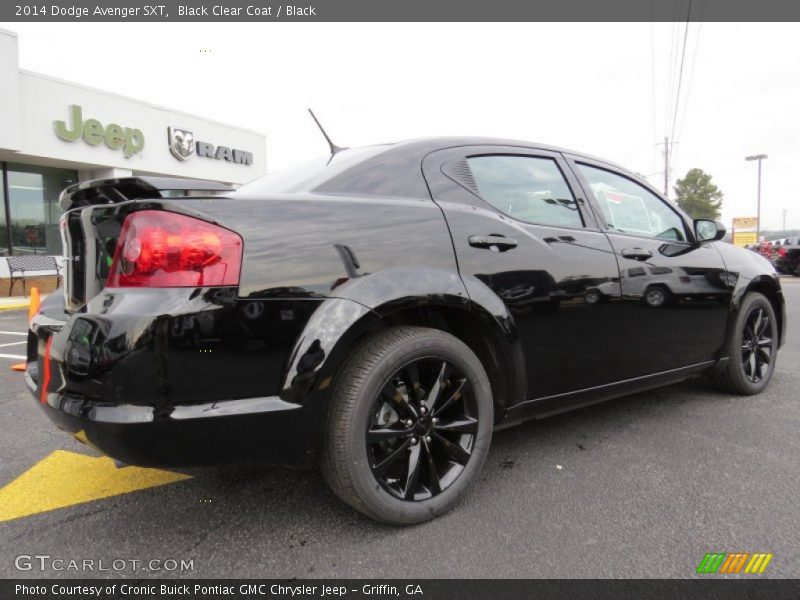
408	425
422	430
751	348
757	342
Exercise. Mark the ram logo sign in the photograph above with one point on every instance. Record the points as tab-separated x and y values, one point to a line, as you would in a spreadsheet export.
182	145
723	563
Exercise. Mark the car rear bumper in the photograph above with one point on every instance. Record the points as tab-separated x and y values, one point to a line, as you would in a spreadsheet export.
198	385
264	429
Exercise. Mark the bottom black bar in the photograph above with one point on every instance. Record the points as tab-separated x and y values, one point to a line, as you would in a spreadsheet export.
406	589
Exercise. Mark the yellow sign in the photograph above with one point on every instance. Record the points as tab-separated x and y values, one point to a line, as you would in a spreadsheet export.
66	478
742	238
745	222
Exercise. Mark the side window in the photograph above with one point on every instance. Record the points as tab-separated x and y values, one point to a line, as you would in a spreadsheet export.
631	208
527	188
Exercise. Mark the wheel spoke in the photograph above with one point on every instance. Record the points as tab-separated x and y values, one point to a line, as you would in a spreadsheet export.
412	384
397	399
456	452
746	357
757	323
441	379
765	342
433	474
456	395
383	466
459	425
384	433
752	363
763	356
412	472
764	326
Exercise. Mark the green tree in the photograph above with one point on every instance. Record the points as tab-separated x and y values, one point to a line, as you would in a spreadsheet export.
697	196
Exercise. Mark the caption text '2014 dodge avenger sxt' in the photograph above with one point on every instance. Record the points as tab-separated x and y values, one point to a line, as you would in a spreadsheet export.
382	311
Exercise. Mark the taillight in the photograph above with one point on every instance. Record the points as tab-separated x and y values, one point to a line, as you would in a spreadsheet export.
164	249
782	252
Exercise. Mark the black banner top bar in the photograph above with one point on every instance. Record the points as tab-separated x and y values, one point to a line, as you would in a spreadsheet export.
400	10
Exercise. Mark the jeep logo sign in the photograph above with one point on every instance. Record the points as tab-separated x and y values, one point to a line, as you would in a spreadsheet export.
182	145
94	133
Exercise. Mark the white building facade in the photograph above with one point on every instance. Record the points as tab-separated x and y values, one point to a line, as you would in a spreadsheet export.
55	133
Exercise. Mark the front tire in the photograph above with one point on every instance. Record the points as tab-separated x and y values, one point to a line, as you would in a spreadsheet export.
752	348
408	425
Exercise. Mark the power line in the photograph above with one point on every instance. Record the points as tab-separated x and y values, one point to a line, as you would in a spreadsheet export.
680	72
670	75
653	70
682	120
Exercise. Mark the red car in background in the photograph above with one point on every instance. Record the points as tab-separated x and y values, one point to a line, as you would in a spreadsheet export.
766	250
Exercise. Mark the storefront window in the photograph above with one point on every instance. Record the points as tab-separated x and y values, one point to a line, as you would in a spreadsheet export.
34	211
4	249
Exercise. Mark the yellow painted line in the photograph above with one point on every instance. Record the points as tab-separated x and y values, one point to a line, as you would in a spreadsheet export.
14	305
66	478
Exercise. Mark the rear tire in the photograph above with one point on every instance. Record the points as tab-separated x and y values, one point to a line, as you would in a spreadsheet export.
752	348
374	419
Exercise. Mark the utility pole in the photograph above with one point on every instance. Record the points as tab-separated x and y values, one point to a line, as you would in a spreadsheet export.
759	158
667	145
784	220
666	166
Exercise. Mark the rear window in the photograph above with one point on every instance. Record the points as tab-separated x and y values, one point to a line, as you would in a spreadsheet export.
308	175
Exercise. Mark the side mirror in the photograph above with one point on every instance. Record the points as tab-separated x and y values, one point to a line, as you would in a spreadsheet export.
708	230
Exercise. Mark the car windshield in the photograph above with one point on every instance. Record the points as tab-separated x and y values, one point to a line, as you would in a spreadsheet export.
308	175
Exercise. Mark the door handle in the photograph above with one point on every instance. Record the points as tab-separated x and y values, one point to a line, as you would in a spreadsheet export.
637	254
494	242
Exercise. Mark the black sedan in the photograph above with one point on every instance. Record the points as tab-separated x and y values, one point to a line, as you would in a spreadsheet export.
381	311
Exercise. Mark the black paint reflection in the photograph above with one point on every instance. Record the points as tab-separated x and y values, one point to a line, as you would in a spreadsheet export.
674	304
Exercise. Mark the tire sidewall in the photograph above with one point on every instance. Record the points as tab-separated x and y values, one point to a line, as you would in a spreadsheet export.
378	501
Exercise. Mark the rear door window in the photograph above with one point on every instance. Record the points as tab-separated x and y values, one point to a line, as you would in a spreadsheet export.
527	188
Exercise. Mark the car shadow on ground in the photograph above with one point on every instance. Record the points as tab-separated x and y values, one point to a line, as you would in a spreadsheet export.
575	430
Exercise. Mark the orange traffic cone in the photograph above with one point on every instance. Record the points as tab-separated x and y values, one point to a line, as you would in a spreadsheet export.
36	302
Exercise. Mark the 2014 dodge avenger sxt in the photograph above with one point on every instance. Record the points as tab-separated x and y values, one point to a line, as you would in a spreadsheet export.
380	312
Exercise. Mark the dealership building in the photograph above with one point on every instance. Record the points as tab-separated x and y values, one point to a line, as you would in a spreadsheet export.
55	133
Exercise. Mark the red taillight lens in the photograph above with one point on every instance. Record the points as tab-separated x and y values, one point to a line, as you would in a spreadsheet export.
782	252
164	249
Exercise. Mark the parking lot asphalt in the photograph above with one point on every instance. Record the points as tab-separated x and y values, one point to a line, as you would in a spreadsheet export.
641	486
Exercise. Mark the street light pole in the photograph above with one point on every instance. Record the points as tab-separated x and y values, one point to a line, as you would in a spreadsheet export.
759	158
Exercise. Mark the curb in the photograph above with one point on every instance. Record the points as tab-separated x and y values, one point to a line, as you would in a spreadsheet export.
15	306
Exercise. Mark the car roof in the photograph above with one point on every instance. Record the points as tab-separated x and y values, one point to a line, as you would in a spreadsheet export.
389	169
